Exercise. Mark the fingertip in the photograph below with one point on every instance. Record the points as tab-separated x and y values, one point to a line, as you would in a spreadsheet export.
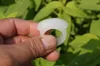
54	56
49	41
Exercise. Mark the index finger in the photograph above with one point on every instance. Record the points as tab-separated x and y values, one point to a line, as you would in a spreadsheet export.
13	26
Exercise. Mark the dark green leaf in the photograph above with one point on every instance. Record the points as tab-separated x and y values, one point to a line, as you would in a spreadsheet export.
85	49
7	2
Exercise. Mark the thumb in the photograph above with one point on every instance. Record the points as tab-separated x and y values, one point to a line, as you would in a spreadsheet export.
33	48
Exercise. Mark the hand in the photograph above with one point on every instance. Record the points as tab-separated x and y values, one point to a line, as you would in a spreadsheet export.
20	43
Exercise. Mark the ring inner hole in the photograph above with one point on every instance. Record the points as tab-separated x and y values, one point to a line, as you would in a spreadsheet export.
53	32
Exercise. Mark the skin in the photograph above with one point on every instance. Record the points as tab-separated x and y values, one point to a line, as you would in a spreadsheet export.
15	33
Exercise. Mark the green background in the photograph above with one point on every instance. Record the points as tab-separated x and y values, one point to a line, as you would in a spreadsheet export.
82	44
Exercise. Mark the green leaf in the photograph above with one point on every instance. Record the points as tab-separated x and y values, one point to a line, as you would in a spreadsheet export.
94	28
43	62
46	63
7	2
84	51
24	16
67	18
81	41
2	15
79	21
63	1
14	14
37	4
36	62
48	1
86	59
19	7
89	4
3	9
98	15
47	10
74	11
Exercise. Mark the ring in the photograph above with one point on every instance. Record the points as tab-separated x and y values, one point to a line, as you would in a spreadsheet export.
54	23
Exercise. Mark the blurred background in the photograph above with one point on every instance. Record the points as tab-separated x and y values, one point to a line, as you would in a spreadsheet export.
82	44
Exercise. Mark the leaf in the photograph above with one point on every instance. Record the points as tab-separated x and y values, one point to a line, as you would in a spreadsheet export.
84	50
19	7
74	11
46	63
67	18
89	4
24	16
37	4
2	15
81	52
3	9
48	1
63	1
7	2
79	21
98	15
36	62
43	62
81	41
12	15
86	59
47	10
94	28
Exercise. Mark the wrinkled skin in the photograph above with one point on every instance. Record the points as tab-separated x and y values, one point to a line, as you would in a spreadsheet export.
18	45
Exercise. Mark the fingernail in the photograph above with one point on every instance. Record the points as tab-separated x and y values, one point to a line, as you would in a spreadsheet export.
49	42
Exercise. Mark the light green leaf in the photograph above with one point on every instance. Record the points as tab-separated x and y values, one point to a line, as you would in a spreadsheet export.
46	63
89	4
19	7
67	18
43	62
12	15
47	10
36	62
63	1
79	21
2	15
74	11
3	9
37	4
98	15
94	28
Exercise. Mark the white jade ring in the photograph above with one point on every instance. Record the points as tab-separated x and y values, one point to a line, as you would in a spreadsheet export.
54	23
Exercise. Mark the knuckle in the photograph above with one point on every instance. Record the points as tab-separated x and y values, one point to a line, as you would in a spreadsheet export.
36	47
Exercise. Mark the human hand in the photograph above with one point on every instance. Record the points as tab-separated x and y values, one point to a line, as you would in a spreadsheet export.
20	43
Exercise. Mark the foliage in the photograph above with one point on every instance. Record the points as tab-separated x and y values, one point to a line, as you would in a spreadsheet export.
82	44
